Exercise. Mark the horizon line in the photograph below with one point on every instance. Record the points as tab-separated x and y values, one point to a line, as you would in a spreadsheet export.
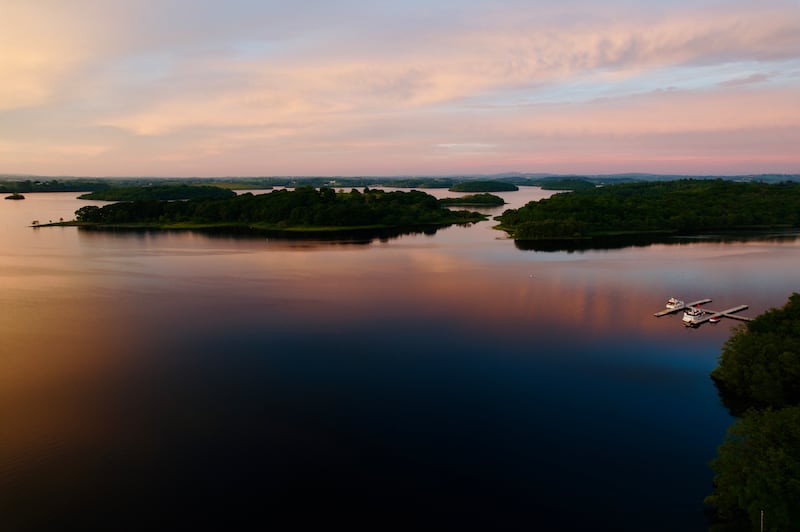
399	176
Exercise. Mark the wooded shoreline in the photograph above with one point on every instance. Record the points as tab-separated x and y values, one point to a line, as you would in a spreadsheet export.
683	207
300	211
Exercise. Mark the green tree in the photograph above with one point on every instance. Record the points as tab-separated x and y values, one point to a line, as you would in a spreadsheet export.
90	213
304	207
760	364
684	206
758	469
758	465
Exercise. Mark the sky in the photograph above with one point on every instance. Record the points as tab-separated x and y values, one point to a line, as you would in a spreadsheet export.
414	87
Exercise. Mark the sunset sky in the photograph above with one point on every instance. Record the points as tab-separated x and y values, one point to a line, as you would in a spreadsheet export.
433	87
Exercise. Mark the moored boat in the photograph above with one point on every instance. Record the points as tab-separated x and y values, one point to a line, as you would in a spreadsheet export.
692	315
674	303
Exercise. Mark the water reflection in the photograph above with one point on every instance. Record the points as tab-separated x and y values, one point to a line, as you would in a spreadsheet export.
152	378
303	239
619	242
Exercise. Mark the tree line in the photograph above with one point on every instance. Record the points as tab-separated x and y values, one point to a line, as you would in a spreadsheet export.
485	199
302	207
488	185
51	185
159	192
686	206
566	183
758	465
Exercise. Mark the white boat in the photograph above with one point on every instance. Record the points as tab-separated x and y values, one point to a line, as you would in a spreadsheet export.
714	320
674	303
692	315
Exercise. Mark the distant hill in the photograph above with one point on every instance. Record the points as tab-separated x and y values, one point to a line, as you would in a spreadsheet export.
34	183
484	186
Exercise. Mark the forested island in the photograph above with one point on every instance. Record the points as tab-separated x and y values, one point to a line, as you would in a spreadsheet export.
483	186
159	192
683	207
52	185
758	465
485	200
303	209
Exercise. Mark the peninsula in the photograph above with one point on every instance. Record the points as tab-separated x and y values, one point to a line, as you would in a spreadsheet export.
305	209
681	207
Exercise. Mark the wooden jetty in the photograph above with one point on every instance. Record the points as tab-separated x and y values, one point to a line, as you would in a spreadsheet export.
727	313
708	314
682	306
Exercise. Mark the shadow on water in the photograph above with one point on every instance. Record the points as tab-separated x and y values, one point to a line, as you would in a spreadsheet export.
348	237
619	242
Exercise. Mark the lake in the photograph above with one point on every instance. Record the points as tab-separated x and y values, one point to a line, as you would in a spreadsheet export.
452	379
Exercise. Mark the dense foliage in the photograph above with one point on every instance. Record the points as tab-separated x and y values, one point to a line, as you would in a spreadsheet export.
685	207
758	465
303	207
760	364
758	469
483	186
159	192
475	199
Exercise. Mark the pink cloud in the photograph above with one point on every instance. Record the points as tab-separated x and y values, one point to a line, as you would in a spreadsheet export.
241	94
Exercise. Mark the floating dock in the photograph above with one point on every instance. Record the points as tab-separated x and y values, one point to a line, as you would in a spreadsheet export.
708	314
682	306
728	313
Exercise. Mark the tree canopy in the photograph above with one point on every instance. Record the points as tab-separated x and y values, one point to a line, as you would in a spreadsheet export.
758	465
304	207
483	186
759	365
758	469
684	206
159	192
474	199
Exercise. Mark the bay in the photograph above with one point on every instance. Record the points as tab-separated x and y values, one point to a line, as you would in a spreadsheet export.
451	379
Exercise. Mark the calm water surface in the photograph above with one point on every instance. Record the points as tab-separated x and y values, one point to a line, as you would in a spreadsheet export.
150	380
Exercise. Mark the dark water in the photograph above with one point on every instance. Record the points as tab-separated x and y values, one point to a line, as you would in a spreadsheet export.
150	381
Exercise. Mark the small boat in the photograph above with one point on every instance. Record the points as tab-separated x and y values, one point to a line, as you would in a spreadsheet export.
692	315
674	303
15	196
715	319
